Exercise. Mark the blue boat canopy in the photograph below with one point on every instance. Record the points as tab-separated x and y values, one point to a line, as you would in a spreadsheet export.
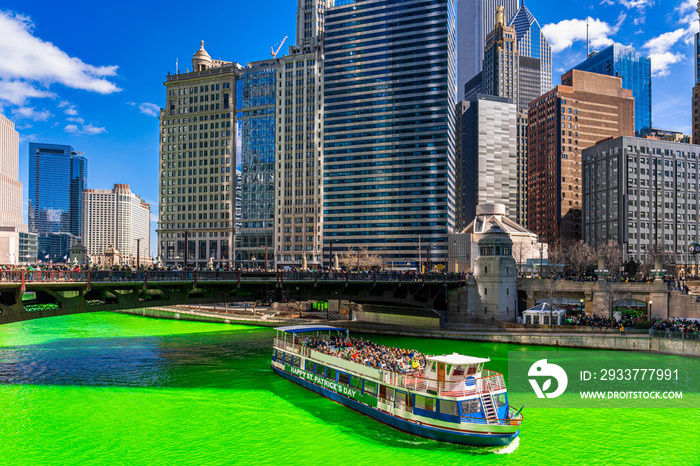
309	328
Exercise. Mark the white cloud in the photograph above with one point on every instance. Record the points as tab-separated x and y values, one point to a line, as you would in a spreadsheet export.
629	4
660	48
85	129
90	129
563	34
31	114
76	119
18	92
149	109
26	57
687	5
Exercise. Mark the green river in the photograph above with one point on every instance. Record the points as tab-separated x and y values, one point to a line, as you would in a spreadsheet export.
115	389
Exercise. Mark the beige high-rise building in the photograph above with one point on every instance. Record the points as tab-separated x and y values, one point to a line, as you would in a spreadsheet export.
310	21
299	161
198	164
119	219
11	223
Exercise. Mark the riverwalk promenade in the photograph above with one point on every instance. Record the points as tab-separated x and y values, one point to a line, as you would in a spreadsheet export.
568	337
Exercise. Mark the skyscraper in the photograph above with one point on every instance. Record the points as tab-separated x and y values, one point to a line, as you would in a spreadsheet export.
635	71
389	147
11	223
696	89
475	19
583	110
500	73
197	164
57	178
255	117
532	43
488	155
119	218
311	21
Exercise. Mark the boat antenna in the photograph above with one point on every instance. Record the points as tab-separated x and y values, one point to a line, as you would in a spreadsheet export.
588	42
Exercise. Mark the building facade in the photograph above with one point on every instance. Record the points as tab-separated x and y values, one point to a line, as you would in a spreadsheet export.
311	21
57	178
11	223
197	164
532	43
255	118
635	71
584	109
299	161
475	19
118	218
500	73
643	194
489	155
389	147
696	89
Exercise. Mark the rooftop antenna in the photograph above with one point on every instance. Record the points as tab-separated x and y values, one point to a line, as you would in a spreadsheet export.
177	68
588	42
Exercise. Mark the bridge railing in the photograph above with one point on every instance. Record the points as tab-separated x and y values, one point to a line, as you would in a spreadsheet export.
97	276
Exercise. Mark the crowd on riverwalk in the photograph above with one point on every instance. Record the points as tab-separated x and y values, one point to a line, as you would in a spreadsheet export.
630	321
404	361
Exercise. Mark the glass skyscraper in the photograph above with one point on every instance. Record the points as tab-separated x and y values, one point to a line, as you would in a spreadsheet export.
635	71
389	147
57	178
532	43
255	117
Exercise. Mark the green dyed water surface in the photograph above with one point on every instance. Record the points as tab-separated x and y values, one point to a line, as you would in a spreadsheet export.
114	389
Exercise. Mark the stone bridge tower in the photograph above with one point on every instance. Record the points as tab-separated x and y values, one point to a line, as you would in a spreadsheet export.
496	278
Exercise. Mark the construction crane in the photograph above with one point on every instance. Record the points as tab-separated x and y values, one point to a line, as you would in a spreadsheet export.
275	52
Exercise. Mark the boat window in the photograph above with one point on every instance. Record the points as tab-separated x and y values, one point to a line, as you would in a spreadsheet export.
433	366
330	375
309	365
382	391
471	406
296	361
321	370
448	407
389	394
274	353
370	387
500	400
356	382
459	370
343	378
425	402
400	399
471	369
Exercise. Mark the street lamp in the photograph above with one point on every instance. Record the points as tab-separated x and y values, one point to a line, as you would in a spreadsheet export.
581	301
330	256
649	313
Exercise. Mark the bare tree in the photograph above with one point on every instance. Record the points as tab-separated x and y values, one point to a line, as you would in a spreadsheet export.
610	294
580	257
519	253
668	260
351	258
557	256
612	255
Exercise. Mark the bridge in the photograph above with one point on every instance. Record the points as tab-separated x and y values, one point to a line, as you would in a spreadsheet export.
26	295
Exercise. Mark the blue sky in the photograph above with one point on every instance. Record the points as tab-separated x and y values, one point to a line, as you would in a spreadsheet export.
90	74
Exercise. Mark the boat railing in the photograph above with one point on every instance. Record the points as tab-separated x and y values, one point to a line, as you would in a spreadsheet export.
489	382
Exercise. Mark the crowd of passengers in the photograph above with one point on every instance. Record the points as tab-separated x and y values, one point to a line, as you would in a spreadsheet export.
399	360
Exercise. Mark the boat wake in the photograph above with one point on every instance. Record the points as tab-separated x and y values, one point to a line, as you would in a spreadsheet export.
510	448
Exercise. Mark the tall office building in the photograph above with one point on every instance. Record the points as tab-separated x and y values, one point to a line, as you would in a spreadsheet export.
696	89
532	43
389	147
500	73
584	109
635	71
299	160
488	155
508	74
255	117
475	19
11	223
57	178
197	164
643	194
118	218
311	21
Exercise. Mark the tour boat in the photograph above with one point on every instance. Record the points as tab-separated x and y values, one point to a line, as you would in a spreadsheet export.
452	399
